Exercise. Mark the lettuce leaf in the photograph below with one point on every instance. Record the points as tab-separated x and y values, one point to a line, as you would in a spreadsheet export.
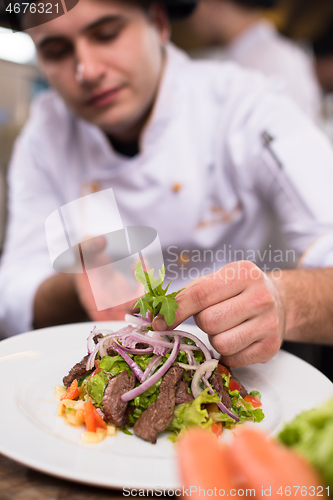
142	402
97	385
191	414
114	365
311	434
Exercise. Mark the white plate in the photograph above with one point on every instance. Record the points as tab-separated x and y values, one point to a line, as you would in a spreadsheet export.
30	432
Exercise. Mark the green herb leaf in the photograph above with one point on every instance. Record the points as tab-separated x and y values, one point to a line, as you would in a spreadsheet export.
156	300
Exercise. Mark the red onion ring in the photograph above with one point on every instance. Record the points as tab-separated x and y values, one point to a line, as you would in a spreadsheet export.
223	408
157	375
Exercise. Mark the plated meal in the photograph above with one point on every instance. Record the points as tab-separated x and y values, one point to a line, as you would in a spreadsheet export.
152	382
37	362
147	382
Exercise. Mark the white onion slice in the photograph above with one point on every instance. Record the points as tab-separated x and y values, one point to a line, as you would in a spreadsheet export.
135	320
90	340
202	347
207	366
151	367
188	367
222	407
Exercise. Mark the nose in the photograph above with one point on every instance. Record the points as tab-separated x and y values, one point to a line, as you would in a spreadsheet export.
89	70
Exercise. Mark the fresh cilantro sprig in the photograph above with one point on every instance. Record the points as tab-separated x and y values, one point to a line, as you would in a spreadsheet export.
156	300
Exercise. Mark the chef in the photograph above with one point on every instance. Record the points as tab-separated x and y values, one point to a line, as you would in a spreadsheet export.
235	30
200	151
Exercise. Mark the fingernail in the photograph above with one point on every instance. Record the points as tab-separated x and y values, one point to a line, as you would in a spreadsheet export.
160	325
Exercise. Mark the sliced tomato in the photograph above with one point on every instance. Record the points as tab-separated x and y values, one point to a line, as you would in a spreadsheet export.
217	428
73	391
222	369
99	420
233	386
254	400
89	417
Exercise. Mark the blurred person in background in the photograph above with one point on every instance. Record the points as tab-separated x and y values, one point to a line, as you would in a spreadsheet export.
200	151
235	30
323	52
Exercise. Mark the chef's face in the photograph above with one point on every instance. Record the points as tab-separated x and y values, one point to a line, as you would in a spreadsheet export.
105	58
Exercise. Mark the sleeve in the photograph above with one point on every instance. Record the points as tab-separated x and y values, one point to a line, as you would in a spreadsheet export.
25	262
290	168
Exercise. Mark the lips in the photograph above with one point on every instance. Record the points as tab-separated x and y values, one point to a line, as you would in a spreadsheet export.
103	99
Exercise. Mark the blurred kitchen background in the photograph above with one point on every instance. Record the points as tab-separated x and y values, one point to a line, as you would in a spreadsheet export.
303	21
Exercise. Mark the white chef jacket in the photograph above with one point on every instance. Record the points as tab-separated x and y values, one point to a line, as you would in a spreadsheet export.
262	48
203	179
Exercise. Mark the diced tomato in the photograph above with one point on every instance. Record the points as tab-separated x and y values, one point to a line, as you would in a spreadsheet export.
89	417
99	420
222	369
233	386
80	415
97	363
254	400
217	428
73	391
92	418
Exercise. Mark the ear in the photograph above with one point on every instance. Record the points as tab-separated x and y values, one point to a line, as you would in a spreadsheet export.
158	16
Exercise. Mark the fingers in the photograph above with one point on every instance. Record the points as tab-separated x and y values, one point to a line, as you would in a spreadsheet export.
255	300
257	352
203	463
253	462
212	289
236	339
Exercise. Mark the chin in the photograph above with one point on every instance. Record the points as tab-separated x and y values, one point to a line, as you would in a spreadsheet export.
111	121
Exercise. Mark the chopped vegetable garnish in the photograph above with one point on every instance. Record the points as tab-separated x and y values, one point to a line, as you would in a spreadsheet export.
156	300
153	381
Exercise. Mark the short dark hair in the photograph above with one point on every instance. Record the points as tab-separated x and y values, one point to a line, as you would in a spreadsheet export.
257	4
323	45
176	9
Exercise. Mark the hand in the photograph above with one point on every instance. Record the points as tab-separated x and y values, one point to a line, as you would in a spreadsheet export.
108	285
239	308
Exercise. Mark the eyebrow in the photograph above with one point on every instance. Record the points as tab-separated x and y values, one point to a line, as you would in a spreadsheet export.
92	26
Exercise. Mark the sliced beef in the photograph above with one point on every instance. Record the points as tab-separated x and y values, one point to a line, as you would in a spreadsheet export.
97	338
182	394
114	407
111	352
159	414
217	384
142	345
243	392
78	371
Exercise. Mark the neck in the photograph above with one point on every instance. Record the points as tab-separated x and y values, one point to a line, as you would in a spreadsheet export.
132	134
233	21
